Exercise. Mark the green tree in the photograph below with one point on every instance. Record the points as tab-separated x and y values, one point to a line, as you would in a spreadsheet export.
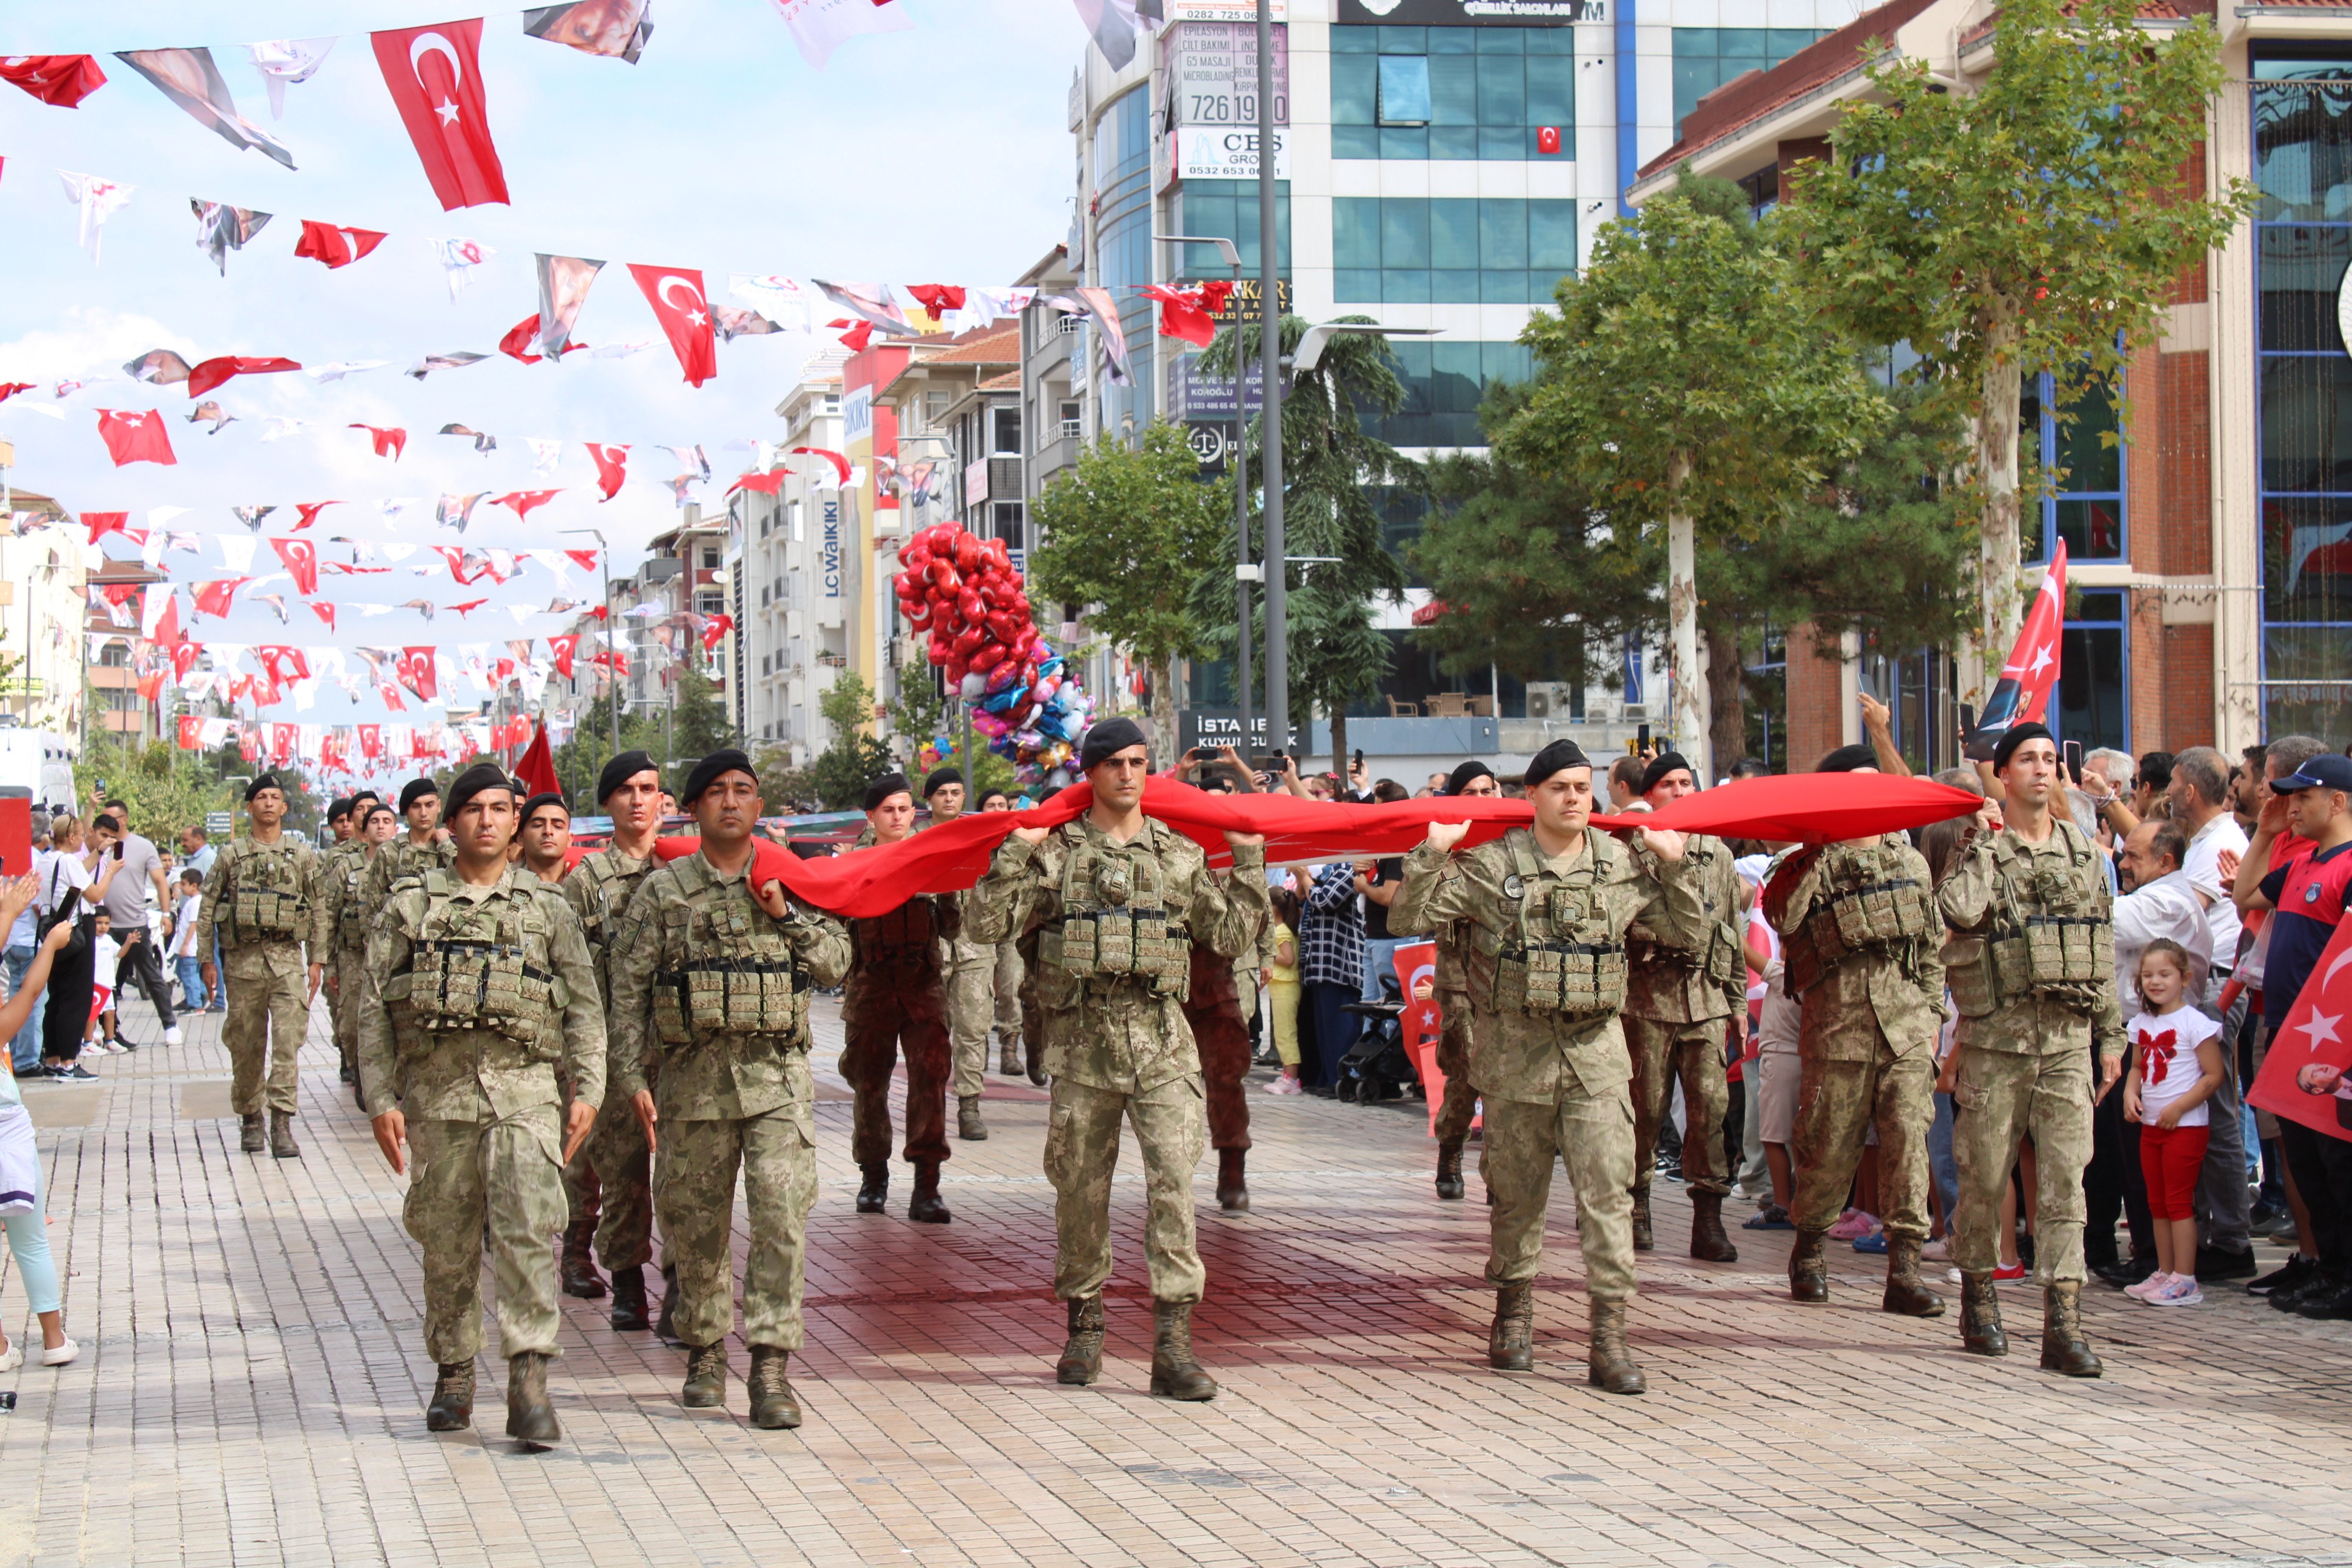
854	758
2034	223
700	724
921	714
1677	386
166	789
1125	532
581	757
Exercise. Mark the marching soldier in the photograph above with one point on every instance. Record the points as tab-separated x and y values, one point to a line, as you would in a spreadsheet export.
339	931
1860	940
1546	909
599	889
477	992
1115	899
2030	962
711	981
1007	976
896	997
258	899
1678	1005
425	847
969	970
1455	1009
542	845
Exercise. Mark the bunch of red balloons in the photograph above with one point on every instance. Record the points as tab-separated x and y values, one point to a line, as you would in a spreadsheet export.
966	593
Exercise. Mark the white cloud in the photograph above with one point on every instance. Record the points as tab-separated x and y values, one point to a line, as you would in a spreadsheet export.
85	338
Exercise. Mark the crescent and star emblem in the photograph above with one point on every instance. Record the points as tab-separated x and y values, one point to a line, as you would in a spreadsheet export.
434	43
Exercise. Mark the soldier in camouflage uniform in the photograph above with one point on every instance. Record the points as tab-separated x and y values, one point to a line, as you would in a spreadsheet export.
426	846
1861	940
598	889
258	898
896	999
2030	963
334	902
477	993
711	979
1678	1005
1546	910
1455	1012
542	846
1115	901
967	970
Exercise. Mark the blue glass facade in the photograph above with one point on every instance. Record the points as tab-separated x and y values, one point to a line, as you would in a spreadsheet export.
1123	246
1454	250
1706	57
1443	381
1475	93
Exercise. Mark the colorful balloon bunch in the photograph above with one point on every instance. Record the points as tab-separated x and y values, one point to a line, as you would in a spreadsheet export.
964	592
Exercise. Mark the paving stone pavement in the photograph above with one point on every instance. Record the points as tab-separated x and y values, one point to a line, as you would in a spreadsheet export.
252	1383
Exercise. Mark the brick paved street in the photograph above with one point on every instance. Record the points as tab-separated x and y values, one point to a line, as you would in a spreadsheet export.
252	1383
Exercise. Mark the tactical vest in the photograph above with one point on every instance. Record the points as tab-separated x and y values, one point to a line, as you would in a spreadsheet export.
912	927
603	873
1560	954
1718	957
272	905
1114	924
739	975
2052	933
1868	903
471	965
351	923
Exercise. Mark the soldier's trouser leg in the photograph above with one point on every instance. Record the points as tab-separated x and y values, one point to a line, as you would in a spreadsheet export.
504	1173
1223	1042
1007	977
867	1060
2001	1095
923	1036
268	1017
581	1188
1460	1106
1836	1100
623	1166
348	969
1594	1133
1648	1046
1081	1154
969	1008
776	1153
1661	1053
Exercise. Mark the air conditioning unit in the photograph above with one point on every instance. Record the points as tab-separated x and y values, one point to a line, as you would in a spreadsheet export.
1549	698
1636	713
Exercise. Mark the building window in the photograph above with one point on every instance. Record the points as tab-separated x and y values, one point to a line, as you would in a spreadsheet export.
1706	57
2087	510
1444	383
2094	678
1229	207
710	604
1004	432
1073	420
1005	524
793	512
1497	251
1449	93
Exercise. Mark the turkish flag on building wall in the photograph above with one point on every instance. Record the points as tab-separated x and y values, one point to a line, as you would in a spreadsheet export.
675	294
301	558
2022	696
335	247
436	77
612	467
2308	1076
134	438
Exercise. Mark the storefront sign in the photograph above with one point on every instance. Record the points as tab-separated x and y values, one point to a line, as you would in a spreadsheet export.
1210	73
1230	152
1474	13
829	551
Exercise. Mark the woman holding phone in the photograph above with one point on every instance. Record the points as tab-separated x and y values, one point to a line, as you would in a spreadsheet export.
73	880
21	1209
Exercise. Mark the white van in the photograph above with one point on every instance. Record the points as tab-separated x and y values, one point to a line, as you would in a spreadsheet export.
40	761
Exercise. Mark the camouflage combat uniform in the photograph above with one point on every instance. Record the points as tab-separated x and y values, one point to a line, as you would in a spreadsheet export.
471	1001
399	859
1544	956
1861	942
1679	1004
896	998
1008	972
969	972
338	933
258	899
599	889
713	991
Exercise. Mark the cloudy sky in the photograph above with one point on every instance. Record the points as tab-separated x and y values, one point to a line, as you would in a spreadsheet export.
937	154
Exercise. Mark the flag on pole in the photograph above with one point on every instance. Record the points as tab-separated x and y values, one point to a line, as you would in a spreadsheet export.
2021	695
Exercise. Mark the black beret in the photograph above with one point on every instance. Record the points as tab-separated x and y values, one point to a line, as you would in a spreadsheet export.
1106	739
375	806
939	779
621	770
1560	754
472	781
416	790
544	797
2018	735
362	797
340	807
1661	766
1847	759
1459	778
266	780
706	773
883	788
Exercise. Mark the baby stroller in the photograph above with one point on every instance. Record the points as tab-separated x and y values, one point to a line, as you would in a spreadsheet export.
1377	1066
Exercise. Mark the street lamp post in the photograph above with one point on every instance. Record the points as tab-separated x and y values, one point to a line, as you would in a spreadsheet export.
1269	332
612	680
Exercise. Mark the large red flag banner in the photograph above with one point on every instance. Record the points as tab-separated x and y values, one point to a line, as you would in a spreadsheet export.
2308	1076
436	77
675	294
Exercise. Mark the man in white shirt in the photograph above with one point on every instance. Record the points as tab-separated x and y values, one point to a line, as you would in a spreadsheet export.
2200	794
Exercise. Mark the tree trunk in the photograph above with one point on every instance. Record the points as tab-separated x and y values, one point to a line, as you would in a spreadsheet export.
1727	681
1340	743
2000	547
1688	719
1163	708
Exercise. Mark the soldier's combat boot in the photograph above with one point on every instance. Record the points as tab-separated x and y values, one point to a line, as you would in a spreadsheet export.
927	1207
1511	1341
281	1136
1708	1244
873	1192
579	1270
1981	1316
1643	1239
1906	1293
970	1128
1607	1364
1449	1169
451	1409
530	1416
251	1139
2064	1349
629	1297
1008	1059
1175	1373
1081	1361
665	1328
1036	1061
1233	1182
773	1408
1808	1266
705	1377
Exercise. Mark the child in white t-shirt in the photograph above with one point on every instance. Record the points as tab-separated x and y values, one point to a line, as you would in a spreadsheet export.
105	954
2176	1065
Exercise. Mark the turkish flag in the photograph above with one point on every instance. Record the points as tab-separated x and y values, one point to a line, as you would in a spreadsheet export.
211	373
214	598
675	294
938	299
391	695
717	627
519	340
133	437
183	658
2021	695
335	247
456	557
2311	1054
160	614
192	732
301	558
416	672
840	464
279	659
612	467
766	484
371	739
522	501
281	744
563	648
311	511
390	441
63	80
102	523
1182	316
436	77
324	611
